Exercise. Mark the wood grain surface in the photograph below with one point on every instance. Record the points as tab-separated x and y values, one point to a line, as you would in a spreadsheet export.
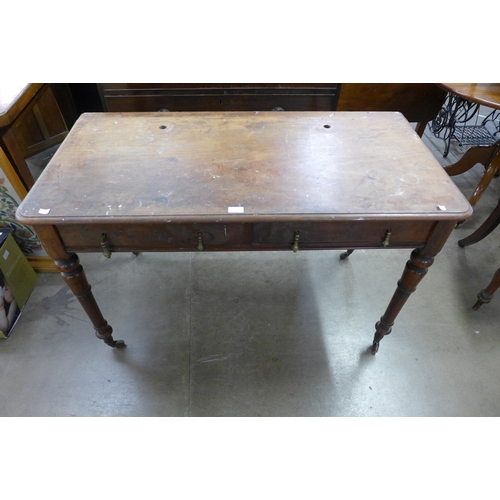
181	167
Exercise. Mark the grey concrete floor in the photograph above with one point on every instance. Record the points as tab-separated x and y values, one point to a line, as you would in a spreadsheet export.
264	334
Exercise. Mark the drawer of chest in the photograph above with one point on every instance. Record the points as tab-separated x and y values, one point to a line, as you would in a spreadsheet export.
222	102
343	234
150	237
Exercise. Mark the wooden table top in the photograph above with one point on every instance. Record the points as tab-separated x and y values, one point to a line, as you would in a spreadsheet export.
13	99
487	94
182	167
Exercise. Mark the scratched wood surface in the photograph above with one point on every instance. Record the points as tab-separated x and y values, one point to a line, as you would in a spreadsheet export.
273	165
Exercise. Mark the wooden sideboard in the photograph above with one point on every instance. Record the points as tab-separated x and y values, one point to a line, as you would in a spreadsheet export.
418	102
219	96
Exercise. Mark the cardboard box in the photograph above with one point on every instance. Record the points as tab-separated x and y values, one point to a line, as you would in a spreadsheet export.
17	281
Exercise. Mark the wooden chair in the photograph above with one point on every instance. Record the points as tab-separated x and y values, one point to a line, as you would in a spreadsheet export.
485	295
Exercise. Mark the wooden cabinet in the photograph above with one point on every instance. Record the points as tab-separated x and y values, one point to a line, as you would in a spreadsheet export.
42	125
418	102
218	96
33	118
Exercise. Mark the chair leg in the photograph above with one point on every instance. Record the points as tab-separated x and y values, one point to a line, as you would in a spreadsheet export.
488	175
475	155
420	128
484	230
485	296
346	254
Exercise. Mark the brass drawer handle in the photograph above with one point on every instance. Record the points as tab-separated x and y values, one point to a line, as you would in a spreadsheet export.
296	236
385	243
278	108
200	241
105	250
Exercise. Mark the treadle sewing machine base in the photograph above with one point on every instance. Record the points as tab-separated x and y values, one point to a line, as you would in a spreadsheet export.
244	181
453	122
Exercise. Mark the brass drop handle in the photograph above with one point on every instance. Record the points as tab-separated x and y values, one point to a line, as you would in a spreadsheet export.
385	243
105	250
200	241
296	236
278	108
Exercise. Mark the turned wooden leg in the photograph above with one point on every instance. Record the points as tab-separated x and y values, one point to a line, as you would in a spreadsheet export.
73	274
415	270
485	296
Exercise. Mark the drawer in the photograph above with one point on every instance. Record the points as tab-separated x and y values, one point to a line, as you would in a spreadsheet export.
259	236
150	237
221	103
218	97
343	234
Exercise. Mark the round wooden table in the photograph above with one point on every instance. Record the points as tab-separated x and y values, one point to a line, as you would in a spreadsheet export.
486	94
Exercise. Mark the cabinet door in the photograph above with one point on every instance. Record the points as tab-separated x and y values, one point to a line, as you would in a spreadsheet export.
41	125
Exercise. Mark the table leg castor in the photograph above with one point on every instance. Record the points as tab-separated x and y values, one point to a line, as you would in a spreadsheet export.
346	254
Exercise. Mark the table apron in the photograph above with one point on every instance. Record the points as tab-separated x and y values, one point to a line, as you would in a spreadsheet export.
124	237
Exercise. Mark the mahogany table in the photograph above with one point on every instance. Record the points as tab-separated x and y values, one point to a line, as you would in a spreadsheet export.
248	181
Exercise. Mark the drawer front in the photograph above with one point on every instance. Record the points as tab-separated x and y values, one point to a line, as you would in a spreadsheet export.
259	236
343	234
151	237
221	102
219	97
